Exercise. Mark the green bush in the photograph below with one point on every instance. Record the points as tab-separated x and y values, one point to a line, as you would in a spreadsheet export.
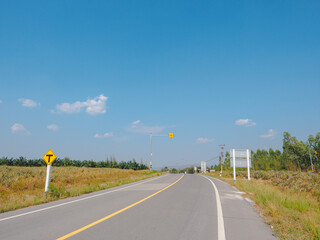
57	192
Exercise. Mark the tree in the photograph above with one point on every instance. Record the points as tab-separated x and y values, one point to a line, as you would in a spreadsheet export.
173	170
314	148
67	162
295	151
226	164
190	170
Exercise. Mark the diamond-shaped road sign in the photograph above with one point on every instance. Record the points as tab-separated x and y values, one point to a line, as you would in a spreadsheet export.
171	135
49	157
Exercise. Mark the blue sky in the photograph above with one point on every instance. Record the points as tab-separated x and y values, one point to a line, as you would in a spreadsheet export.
91	79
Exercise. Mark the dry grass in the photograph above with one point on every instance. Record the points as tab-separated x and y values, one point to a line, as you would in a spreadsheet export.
293	214
24	186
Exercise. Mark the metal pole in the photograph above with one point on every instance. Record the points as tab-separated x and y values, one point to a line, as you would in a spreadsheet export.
47	180
151	145
234	164
150	151
221	159
220	166
311	160
248	164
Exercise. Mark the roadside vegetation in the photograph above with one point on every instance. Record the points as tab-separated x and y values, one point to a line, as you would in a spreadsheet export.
66	162
289	201
285	186
189	170
296	155
24	186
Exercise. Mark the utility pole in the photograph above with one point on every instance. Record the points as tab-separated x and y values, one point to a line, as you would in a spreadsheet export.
221	158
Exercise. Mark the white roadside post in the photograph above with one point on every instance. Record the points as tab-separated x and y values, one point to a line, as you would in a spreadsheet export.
46	188
234	164
248	163
49	157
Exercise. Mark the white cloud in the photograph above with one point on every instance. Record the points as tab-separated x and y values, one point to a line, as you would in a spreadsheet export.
204	140
93	106
0	101
245	122
18	128
53	127
139	127
271	133
28	103
96	105
104	135
136	122
69	107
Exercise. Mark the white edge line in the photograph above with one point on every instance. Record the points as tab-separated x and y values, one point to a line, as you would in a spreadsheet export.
220	180
221	231
78	200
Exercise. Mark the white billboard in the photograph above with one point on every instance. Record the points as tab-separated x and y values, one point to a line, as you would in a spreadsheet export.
240	157
203	166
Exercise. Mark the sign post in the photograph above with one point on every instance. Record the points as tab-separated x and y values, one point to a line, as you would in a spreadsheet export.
240	159
49	157
46	188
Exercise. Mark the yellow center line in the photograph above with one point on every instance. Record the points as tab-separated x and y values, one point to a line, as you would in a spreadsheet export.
115	213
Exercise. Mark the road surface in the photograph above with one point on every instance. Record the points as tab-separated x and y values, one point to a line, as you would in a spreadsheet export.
173	206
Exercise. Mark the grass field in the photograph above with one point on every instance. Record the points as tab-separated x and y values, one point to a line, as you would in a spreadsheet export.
290	202
24	186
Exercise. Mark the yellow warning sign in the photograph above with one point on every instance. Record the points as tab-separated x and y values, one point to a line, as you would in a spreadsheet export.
49	157
171	135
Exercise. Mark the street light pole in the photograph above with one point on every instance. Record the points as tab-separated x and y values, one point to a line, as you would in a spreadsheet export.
170	136
150	151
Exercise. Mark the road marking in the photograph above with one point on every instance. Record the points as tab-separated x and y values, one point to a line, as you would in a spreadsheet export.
116	213
220	180
221	232
78	200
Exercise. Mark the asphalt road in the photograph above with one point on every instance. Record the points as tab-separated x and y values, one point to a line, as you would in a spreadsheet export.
167	207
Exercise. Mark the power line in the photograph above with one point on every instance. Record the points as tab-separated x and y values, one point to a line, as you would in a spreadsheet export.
211	159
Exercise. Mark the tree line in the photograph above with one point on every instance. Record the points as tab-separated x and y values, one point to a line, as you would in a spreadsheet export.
296	155
189	170
66	162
